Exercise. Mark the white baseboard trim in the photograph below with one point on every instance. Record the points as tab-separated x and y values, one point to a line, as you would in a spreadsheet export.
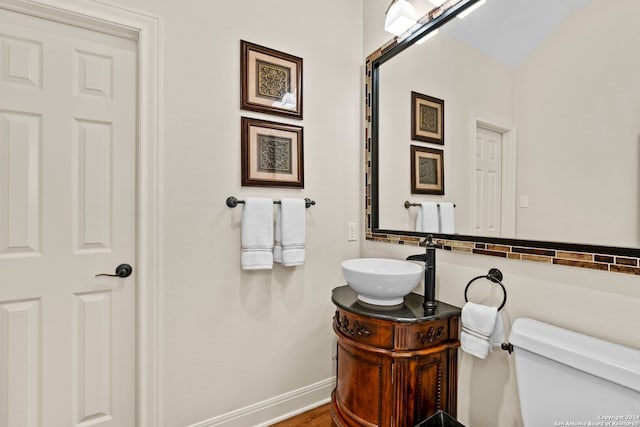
270	411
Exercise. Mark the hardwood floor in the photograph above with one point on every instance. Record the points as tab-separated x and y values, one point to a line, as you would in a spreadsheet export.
318	417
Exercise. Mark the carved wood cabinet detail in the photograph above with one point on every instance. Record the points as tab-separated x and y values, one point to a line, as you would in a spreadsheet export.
393	372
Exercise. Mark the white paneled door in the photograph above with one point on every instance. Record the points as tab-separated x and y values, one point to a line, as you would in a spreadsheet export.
488	191
68	132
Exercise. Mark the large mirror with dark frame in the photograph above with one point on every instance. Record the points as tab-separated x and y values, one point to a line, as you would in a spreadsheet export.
524	115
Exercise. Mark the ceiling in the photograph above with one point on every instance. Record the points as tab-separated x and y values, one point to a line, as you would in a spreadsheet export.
527	22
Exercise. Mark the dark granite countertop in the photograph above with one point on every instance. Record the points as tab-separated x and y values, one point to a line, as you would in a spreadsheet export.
411	311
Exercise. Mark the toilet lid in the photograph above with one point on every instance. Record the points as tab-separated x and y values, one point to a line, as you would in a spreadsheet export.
604	359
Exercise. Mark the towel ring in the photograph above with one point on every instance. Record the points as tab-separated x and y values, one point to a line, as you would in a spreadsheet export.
495	276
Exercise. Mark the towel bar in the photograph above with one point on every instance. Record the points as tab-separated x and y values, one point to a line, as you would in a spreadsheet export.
408	204
232	202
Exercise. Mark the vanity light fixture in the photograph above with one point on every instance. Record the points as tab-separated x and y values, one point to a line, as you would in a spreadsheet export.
473	8
400	16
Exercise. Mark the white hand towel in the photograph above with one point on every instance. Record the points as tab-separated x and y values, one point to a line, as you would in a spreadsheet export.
481	329
290	233
427	218
447	218
497	337
257	234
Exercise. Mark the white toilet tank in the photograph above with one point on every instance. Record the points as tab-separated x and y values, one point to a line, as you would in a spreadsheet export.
569	379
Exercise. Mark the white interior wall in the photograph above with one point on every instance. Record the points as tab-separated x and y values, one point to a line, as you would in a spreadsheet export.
589	138
600	304
229	338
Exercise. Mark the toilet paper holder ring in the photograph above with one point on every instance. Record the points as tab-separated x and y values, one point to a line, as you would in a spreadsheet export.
495	276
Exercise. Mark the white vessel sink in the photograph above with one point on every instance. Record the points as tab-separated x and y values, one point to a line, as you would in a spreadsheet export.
381	281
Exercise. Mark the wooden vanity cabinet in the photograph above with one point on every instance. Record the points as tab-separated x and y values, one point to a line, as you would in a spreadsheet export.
395	367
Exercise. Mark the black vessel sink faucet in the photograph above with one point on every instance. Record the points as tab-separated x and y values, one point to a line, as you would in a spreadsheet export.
429	259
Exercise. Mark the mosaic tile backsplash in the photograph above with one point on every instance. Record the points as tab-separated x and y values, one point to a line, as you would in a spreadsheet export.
613	263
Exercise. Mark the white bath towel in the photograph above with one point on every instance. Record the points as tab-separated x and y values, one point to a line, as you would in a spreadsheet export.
482	329
427	218
290	233
257	234
447	218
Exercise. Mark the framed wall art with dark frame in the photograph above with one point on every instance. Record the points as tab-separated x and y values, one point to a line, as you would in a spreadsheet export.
427	170
272	154
427	118
271	81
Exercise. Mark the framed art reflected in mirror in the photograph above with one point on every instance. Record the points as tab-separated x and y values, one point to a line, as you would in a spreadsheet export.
427	118
427	170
